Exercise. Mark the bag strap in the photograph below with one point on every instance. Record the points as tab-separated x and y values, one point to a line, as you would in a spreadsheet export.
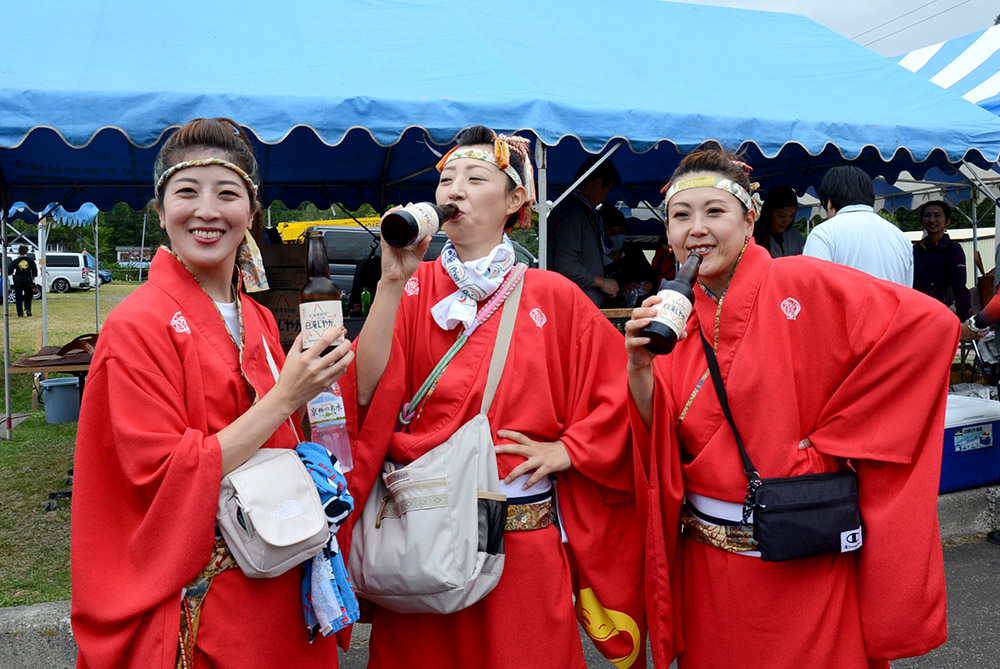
501	346
753	478
720	391
410	409
274	371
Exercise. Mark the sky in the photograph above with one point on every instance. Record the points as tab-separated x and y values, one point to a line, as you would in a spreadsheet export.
888	27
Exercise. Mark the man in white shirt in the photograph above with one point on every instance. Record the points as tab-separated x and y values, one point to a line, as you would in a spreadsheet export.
853	234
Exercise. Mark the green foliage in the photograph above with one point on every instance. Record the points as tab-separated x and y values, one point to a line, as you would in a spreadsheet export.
528	238
278	212
961	215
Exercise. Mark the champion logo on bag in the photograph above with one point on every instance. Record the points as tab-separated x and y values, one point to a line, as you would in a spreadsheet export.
850	540
287	510
179	324
791	308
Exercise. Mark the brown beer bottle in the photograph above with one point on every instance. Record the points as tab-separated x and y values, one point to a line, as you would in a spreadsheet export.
407	226
320	307
677	300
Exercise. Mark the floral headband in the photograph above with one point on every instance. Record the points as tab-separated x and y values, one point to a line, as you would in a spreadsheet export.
500	157
712	181
201	163
248	258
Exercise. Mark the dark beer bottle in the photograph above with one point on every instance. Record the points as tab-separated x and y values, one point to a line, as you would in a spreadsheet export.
677	297
320	307
407	226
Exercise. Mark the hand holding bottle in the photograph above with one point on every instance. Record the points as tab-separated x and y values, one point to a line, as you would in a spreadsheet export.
399	264
307	372
639	357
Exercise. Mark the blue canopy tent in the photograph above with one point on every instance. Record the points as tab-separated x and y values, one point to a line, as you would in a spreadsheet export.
353	101
967	65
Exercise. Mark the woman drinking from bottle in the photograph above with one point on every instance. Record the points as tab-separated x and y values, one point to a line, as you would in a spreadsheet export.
181	392
856	380
556	416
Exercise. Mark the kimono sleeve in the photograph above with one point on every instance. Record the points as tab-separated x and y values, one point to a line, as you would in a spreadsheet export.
887	417
139	464
596	434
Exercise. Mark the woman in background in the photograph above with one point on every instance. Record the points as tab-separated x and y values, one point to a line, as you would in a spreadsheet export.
775	232
939	262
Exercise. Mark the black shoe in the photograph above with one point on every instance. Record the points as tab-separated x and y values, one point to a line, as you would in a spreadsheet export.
993	537
29	314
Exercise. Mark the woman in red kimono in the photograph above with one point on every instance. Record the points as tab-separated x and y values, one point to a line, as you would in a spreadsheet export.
558	410
859	373
181	392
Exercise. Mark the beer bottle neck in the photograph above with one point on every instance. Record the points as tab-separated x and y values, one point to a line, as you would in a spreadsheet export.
316	263
689	270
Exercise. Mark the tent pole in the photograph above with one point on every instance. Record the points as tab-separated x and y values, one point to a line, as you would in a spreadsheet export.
583	176
97	279
542	165
142	244
43	243
8	418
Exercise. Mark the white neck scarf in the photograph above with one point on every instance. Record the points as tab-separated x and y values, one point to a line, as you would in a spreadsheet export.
476	280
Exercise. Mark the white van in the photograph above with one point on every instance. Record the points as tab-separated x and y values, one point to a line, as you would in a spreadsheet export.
66	271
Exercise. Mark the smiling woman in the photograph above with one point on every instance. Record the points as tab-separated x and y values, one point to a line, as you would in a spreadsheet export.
822	375
181	391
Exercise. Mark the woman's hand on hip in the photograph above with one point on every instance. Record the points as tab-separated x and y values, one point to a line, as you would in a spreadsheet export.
542	457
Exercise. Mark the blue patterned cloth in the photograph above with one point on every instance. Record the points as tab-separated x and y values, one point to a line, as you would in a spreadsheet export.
328	599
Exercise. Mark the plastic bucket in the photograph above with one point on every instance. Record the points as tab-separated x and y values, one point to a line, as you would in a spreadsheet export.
61	398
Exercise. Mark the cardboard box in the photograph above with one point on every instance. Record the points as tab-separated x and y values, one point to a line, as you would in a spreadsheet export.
971	455
285	265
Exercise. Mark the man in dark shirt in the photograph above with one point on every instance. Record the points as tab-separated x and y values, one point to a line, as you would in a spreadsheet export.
576	234
23	272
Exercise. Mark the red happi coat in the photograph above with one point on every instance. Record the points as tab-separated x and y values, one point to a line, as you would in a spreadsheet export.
165	379
860	367
563	379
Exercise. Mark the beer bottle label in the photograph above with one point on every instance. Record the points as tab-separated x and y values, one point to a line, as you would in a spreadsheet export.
328	413
426	218
317	317
673	310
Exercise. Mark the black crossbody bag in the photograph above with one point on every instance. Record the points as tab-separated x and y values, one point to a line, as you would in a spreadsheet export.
796	516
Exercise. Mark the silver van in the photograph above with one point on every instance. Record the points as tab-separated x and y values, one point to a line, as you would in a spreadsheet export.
66	271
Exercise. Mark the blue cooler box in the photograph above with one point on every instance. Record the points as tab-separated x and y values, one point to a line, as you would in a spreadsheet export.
971	455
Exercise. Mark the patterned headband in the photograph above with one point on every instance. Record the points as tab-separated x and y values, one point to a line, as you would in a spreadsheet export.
500	157
201	163
712	181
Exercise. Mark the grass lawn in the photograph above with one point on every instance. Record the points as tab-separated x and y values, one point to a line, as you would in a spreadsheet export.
34	543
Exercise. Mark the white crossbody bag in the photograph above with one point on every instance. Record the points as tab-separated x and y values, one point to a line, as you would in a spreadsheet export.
270	513
430	537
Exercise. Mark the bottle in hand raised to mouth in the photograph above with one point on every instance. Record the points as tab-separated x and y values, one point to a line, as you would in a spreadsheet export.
407	226
320	307
677	299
